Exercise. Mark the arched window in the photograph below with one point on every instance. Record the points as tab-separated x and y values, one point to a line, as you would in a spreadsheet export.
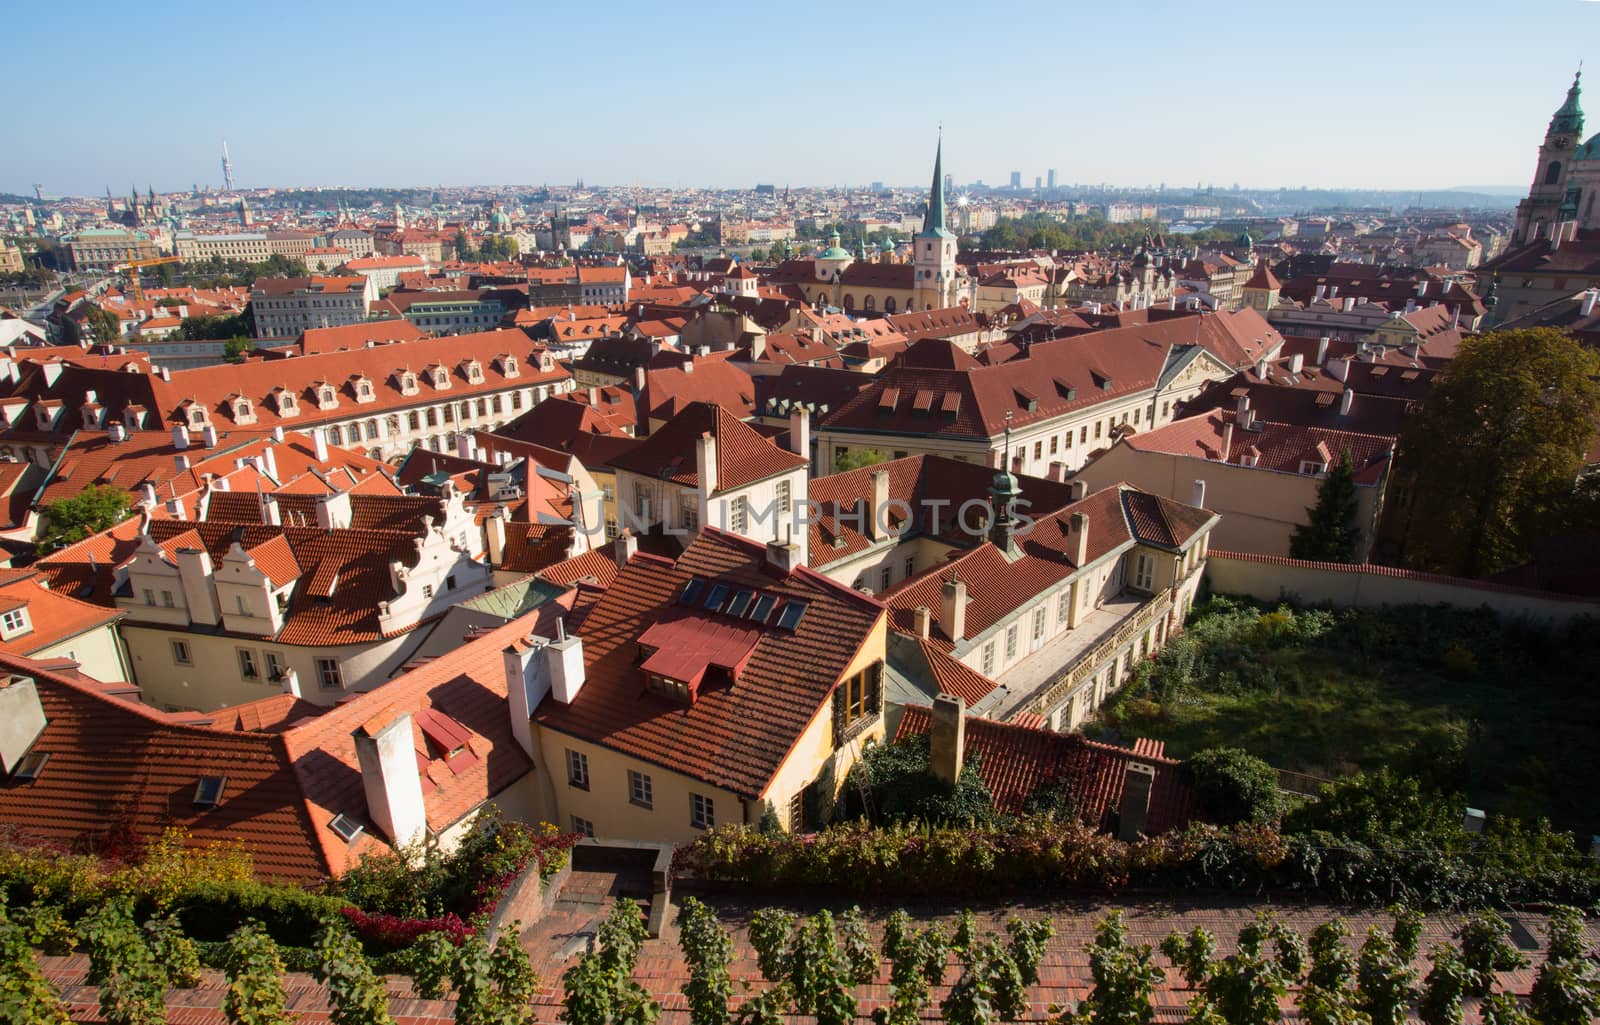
1552	175
372	430
888	305
870	303
849	303
334	437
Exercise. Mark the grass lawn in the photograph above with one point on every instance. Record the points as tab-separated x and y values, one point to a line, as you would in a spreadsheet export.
1506	714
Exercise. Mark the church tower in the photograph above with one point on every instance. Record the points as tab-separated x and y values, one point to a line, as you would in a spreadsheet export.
934	247
1542	210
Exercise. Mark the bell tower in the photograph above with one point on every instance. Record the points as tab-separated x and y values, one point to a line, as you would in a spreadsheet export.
934	247
1538	215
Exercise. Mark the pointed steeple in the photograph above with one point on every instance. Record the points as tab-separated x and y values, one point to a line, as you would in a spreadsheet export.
933	220
1569	117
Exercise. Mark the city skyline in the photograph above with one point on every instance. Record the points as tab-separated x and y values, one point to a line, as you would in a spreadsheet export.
803	112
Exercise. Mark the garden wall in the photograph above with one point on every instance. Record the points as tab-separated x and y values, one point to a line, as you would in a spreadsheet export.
1270	578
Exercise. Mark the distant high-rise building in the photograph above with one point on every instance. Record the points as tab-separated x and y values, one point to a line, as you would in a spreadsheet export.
227	168
1050	178
1016	179
949	183
1038	183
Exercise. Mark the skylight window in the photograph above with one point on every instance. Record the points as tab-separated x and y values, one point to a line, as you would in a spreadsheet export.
345	827
714	600
691	591
790	617
30	767
740	602
208	792
762	608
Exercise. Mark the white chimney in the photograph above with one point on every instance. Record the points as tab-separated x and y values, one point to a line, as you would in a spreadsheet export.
1586	309
269	462
387	754
784	556
194	573
147	495
526	686
180	437
1080	531
116	432
22	719
1242	410
1133	810
465	449
1077	489
1226	447
175	509
947	736
953	608
564	661
291	683
1297	363
494	532
270	513
333	510
209	436
181	461
924	621
278	435
1197	497
1346	400
1322	350
321	444
1339	369
705	463
625	548
878	513
800	431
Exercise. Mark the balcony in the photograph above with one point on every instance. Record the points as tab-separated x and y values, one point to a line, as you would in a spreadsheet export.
1044	678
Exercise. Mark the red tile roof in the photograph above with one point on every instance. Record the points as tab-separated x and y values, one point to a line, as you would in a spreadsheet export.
1282	447
737	736
743	455
53	616
1016	761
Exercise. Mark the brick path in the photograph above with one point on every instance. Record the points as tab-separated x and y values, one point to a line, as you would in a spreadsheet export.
560	937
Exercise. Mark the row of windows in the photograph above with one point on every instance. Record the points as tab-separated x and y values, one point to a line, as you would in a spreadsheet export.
330	676
641	792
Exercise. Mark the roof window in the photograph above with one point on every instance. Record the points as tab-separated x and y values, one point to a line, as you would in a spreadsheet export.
208	792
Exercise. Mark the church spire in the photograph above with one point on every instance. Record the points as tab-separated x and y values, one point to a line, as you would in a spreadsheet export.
933	221
1569	117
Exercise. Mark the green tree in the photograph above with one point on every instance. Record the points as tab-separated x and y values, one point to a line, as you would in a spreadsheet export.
1234	785
1331	533
236	350
600	989
1566	990
855	459
464	250
1125	979
104	327
69	520
357	995
1495	450
25	993
708	952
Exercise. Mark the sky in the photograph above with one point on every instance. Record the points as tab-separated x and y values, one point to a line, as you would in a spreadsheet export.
1354	94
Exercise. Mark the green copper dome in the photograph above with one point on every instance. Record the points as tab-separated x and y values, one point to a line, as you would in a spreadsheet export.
834	252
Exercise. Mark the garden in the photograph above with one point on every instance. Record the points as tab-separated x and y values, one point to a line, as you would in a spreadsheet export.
1495	709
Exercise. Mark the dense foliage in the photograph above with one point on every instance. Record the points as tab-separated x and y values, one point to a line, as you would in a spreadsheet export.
1461	699
1234	786
899	786
600	989
1036	854
1487	465
1045	231
1331	532
69	520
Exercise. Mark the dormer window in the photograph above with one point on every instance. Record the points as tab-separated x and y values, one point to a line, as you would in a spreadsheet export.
474	371
287	404
326	397
133	417
92	415
243	411
508	366
197	416
364	391
438	377
547	362
1313	469
14	623
408	383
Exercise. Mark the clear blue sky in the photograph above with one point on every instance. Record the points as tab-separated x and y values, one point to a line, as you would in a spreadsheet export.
1358	94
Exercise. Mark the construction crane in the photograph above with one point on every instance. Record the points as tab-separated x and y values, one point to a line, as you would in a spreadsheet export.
133	267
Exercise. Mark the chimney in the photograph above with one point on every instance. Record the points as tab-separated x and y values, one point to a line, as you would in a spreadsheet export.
117	432
278	435
947	738
291	683
270	514
388	758
526	686
1080	531
494	530
320	442
1349	303
705	463
1197	497
1297	363
1321	289
209	436
269	462
564	661
1585	310
1322	350
1077	490
175	509
180	437
953	608
194	572
147	495
638	380
800	431
1339	369
877	528
923	620
1225	450
22	720
333	510
1333	291
783	555
594	397
1133	812
465	449
1346	400
625	548
1261	368
181	461
1242	410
